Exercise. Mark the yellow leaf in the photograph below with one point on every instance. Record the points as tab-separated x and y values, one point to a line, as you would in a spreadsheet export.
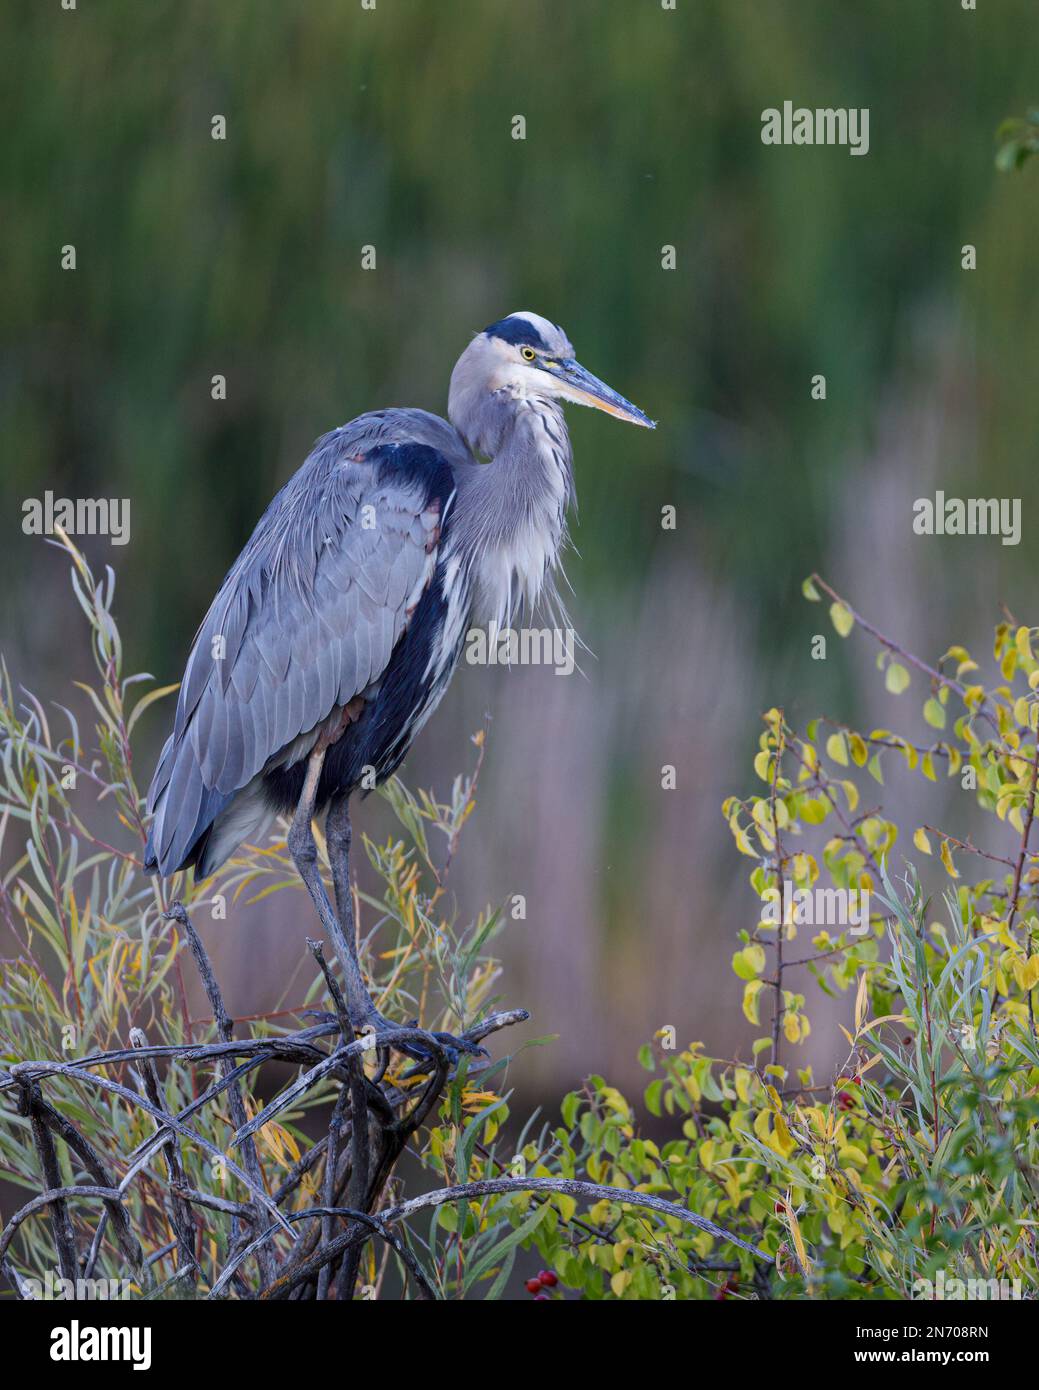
837	749
749	962
946	856
841	618
850	1154
750	1001
887	1018
922	841
1026	973
896	678
795	1233
783	1142
567	1205
147	700
860	1001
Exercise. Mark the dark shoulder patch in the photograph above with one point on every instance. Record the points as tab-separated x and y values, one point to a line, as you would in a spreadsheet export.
517	331
414	463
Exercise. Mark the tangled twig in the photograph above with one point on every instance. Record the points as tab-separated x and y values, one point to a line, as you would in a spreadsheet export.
371	1124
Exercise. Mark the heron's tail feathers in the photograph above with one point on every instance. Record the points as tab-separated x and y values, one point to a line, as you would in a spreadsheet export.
183	810
247	817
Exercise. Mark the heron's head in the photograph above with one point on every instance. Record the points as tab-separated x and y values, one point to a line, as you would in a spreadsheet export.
525	357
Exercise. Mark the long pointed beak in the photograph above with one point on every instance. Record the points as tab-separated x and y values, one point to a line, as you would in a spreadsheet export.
584	389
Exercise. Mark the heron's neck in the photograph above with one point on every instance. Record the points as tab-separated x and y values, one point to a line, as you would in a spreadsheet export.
512	522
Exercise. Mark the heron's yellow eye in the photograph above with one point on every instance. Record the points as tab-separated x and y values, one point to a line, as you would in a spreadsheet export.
528	354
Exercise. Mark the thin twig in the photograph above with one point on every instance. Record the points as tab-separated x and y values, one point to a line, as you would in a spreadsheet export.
907	656
488	1187
61	1221
182	1220
1019	868
225	1029
359	1218
357	1189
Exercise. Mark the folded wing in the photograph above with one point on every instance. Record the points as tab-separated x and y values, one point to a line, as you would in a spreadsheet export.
306	619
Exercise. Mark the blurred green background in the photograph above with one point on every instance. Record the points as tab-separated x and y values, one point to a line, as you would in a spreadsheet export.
392	127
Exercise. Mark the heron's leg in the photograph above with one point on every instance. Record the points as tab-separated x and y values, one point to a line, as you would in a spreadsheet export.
303	849
338	837
363	1012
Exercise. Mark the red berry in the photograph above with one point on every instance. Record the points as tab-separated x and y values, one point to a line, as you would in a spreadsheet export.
548	1278
845	1101
533	1286
542	1298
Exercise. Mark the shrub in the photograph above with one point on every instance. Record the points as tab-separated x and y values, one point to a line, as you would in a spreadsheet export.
916	1164
152	1160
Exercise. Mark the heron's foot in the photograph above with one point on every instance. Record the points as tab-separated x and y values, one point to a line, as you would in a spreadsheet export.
378	1027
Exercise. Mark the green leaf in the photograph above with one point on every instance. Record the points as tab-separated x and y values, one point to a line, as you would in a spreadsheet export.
654	1092
498	1252
934	713
468	1140
896	678
750	962
501	1278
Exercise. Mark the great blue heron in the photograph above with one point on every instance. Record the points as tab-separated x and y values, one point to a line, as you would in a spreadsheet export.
337	629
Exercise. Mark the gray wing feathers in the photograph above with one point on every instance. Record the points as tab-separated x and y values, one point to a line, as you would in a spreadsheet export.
306	619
